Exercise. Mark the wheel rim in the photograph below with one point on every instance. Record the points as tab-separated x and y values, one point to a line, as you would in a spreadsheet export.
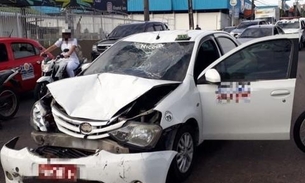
185	151
302	132
8	102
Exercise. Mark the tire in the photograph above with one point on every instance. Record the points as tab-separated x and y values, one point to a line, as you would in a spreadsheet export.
9	104
178	172
299	133
40	90
301	45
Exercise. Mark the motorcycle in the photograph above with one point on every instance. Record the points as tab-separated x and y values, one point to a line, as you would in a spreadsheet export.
54	70
9	100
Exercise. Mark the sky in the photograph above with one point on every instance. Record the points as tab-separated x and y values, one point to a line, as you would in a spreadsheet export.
275	2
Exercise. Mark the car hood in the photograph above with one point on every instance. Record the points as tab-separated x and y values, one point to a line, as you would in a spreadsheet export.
289	31
111	41
100	96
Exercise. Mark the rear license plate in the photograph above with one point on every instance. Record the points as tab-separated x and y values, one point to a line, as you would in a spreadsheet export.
57	171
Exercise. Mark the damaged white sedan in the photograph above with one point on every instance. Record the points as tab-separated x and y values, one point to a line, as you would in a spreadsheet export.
140	110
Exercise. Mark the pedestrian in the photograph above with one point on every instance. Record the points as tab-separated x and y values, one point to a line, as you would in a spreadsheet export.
66	42
197	27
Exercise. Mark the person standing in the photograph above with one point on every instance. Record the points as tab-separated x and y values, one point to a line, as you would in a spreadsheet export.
197	27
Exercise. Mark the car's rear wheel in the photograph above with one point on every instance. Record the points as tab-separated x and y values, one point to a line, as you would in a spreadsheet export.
299	132
182	164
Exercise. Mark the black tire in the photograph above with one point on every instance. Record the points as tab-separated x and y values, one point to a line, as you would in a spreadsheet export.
299	133
9	103
175	173
40	90
301	44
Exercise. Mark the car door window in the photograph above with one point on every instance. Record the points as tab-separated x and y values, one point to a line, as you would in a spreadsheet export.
226	44
207	54
3	53
262	61
275	31
23	50
158	27
150	28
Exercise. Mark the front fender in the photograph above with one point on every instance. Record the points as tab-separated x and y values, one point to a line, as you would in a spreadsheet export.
45	78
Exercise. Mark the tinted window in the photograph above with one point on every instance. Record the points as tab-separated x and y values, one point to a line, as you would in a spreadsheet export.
158	28
226	44
3	53
150	28
262	61
207	54
244	25
22	50
256	32
275	31
126	30
288	25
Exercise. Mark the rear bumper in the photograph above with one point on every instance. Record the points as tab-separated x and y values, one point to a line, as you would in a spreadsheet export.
151	167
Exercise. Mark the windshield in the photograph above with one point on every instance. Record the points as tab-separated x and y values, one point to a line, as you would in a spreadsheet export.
164	61
244	25
126	30
288	25
256	32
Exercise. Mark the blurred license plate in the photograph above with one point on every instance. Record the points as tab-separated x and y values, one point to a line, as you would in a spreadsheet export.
57	171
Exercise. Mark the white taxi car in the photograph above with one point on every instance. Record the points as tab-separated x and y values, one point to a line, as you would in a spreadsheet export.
294	26
140	110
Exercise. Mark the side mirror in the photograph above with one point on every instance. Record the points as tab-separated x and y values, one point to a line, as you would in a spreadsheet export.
212	76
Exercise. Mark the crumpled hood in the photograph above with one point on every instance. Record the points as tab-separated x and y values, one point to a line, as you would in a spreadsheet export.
99	97
289	31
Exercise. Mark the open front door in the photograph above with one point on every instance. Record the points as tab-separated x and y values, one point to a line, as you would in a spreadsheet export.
254	99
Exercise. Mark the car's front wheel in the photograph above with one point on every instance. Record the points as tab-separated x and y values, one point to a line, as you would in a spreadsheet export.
299	132
182	164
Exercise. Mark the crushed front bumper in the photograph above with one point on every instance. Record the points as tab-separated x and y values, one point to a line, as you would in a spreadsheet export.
102	166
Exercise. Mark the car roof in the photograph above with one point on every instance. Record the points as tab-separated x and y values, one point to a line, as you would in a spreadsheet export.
140	23
16	39
169	36
262	26
254	21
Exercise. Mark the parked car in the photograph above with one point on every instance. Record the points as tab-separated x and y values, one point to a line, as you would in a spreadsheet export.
125	30
25	54
229	29
294	26
140	110
257	31
244	24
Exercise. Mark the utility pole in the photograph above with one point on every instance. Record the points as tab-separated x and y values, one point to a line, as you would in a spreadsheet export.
252	10
283	8
296	8
146	10
191	17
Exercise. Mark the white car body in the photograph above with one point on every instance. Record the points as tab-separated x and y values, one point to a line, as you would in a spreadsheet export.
299	31
262	111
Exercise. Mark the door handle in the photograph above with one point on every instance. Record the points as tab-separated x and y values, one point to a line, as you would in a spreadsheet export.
280	93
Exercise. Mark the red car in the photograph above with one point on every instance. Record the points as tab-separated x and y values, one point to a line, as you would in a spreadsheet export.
25	54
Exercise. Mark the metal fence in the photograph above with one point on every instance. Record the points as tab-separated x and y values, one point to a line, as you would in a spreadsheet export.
46	28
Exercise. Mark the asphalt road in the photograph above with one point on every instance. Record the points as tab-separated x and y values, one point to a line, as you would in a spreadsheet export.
217	161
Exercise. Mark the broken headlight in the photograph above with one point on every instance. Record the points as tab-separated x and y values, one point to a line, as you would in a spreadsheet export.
37	117
138	134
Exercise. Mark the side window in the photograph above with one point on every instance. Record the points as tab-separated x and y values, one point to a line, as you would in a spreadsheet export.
262	61
275	31
158	27
3	53
207	54
150	28
280	30
226	44
22	50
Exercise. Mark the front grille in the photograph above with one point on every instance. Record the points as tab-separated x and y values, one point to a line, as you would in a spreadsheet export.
102	48
71	126
60	152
